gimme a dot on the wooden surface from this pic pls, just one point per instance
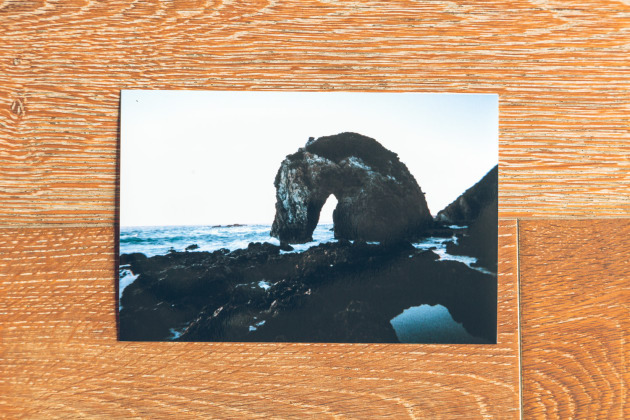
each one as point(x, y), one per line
point(575, 305)
point(561, 70)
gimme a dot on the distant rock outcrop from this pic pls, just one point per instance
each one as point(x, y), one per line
point(477, 208)
point(469, 206)
point(378, 198)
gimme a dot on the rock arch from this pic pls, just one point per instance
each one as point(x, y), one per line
point(377, 197)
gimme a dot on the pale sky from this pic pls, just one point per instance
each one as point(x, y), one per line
point(208, 158)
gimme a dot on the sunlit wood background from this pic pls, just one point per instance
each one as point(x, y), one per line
point(561, 70)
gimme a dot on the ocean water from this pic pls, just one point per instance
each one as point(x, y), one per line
point(158, 240)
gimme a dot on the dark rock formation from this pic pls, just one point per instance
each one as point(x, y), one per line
point(335, 292)
point(478, 209)
point(480, 240)
point(468, 206)
point(378, 198)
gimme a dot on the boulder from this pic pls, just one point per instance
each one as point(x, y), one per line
point(378, 199)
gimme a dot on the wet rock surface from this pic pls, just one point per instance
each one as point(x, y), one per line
point(335, 292)
point(378, 198)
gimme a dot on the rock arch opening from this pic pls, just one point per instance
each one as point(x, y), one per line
point(326, 214)
point(378, 198)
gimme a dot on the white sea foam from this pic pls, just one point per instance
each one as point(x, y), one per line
point(457, 227)
point(438, 246)
point(126, 278)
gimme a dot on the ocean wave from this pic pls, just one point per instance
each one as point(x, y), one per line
point(159, 240)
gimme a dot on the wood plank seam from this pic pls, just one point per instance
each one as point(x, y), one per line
point(518, 320)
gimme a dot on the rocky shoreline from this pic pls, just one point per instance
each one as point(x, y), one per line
point(334, 292)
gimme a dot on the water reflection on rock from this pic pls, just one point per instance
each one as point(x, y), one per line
point(431, 324)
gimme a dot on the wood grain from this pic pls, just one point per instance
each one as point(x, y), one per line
point(575, 285)
point(61, 358)
point(561, 70)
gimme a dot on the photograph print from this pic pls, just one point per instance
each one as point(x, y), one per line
point(340, 217)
